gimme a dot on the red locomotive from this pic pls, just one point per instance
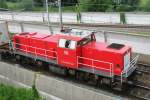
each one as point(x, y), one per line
point(107, 63)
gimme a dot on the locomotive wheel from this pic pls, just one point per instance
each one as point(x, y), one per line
point(86, 77)
point(25, 60)
point(106, 81)
point(117, 86)
point(71, 72)
point(5, 55)
point(58, 70)
point(1, 56)
point(79, 75)
point(39, 63)
point(18, 58)
point(98, 82)
point(22, 60)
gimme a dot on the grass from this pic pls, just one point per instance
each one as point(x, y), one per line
point(13, 6)
point(144, 33)
point(8, 92)
point(17, 6)
point(55, 9)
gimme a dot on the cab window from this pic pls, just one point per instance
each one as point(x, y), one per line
point(63, 43)
point(85, 41)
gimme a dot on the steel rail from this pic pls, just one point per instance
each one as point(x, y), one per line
point(143, 64)
point(147, 71)
point(142, 87)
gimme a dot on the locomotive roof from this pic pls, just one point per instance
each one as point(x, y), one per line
point(74, 34)
point(56, 37)
point(69, 37)
point(77, 33)
point(40, 36)
point(104, 47)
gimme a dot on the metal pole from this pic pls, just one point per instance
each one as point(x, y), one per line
point(105, 36)
point(47, 10)
point(12, 14)
point(60, 14)
point(22, 27)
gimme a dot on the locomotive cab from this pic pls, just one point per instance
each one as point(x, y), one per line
point(69, 48)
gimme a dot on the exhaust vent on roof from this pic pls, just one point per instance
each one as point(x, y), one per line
point(24, 33)
point(115, 46)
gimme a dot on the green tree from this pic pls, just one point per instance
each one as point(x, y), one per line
point(127, 5)
point(39, 2)
point(79, 15)
point(69, 2)
point(27, 4)
point(122, 18)
point(144, 5)
point(96, 5)
point(3, 4)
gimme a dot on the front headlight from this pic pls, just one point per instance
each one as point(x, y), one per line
point(118, 66)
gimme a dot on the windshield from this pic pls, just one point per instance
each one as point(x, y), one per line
point(63, 43)
point(85, 40)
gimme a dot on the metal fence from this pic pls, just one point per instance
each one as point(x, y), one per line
point(90, 18)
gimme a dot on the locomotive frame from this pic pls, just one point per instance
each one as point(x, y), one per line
point(109, 78)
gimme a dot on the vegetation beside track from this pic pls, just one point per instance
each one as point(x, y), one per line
point(84, 5)
point(8, 92)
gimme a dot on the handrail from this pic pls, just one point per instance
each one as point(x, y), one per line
point(33, 47)
point(92, 65)
point(131, 65)
point(35, 50)
point(78, 57)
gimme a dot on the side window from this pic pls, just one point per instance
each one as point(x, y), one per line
point(63, 43)
point(126, 60)
point(85, 41)
point(67, 44)
point(73, 45)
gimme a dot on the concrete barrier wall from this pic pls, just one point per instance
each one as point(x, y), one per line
point(55, 87)
point(89, 17)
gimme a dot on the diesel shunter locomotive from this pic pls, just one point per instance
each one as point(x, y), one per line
point(77, 53)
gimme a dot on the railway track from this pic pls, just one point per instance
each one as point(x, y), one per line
point(136, 29)
point(138, 88)
point(90, 24)
point(140, 92)
point(143, 68)
point(141, 84)
point(111, 25)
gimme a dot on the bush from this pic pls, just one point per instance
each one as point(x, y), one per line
point(14, 6)
point(144, 5)
point(27, 5)
point(3, 4)
point(122, 8)
point(95, 5)
point(11, 93)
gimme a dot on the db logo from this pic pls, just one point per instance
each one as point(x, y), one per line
point(66, 53)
